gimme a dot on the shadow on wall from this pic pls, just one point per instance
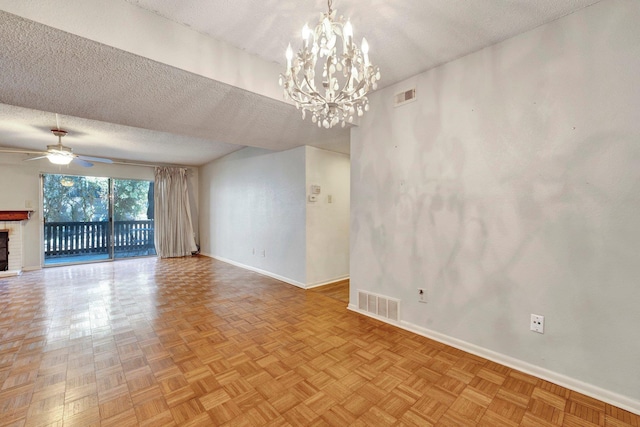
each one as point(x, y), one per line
point(551, 217)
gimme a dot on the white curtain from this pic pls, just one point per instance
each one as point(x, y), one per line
point(173, 226)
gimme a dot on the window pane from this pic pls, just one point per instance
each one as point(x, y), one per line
point(76, 218)
point(133, 218)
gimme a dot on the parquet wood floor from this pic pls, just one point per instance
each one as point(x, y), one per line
point(338, 290)
point(196, 342)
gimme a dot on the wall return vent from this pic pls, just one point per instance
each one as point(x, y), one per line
point(404, 97)
point(382, 306)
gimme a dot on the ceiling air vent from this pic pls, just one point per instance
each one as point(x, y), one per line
point(404, 97)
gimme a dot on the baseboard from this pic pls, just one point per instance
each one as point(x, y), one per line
point(257, 270)
point(590, 390)
point(19, 272)
point(374, 316)
point(336, 280)
point(10, 273)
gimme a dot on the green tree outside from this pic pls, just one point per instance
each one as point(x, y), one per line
point(131, 200)
point(69, 198)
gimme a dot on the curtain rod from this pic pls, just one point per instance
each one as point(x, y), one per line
point(151, 165)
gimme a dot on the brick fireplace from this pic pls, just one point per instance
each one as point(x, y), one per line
point(11, 227)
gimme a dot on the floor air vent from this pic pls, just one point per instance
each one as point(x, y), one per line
point(382, 306)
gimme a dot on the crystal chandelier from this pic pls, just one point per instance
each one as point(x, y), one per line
point(346, 73)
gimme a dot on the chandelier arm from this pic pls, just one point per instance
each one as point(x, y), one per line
point(312, 86)
point(291, 78)
point(299, 90)
point(310, 94)
point(343, 92)
point(357, 88)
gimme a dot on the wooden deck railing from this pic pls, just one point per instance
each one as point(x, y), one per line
point(133, 237)
point(62, 239)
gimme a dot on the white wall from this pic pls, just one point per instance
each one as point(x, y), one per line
point(511, 187)
point(254, 199)
point(327, 223)
point(20, 183)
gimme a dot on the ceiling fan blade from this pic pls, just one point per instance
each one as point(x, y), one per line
point(35, 158)
point(81, 162)
point(18, 151)
point(94, 159)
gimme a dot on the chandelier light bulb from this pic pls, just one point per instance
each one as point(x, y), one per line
point(305, 35)
point(289, 55)
point(330, 76)
point(348, 33)
point(365, 51)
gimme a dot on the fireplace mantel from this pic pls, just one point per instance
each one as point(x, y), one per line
point(15, 215)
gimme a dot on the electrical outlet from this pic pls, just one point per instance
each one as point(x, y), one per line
point(537, 323)
point(253, 251)
point(264, 253)
point(422, 295)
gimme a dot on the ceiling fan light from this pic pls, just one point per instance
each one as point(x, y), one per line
point(66, 182)
point(59, 159)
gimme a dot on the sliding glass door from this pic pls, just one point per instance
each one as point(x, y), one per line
point(76, 218)
point(133, 218)
point(92, 219)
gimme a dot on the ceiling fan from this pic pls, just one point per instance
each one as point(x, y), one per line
point(59, 154)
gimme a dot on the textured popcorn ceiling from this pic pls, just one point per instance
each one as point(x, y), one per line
point(123, 105)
